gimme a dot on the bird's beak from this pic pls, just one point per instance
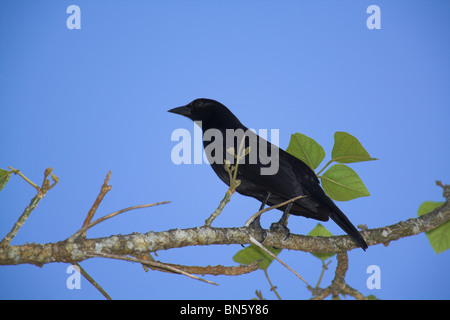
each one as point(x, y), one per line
point(184, 111)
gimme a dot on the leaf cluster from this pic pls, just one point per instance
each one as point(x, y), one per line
point(340, 182)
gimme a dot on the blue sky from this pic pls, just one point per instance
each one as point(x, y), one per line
point(92, 100)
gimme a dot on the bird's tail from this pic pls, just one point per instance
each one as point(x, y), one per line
point(342, 221)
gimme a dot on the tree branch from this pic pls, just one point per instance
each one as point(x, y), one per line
point(338, 285)
point(213, 270)
point(82, 231)
point(41, 192)
point(156, 264)
point(92, 281)
point(140, 243)
point(103, 191)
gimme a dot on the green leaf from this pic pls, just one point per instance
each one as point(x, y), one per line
point(348, 149)
point(440, 237)
point(428, 206)
point(320, 231)
point(306, 149)
point(341, 183)
point(4, 177)
point(253, 253)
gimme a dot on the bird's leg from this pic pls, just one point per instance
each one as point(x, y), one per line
point(256, 223)
point(282, 224)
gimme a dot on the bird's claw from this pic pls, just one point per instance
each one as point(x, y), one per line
point(279, 227)
point(256, 226)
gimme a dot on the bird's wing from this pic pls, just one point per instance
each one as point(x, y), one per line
point(286, 183)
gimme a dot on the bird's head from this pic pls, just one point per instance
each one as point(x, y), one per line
point(211, 112)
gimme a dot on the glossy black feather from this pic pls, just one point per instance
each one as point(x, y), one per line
point(293, 178)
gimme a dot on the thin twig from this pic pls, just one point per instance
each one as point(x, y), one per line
point(149, 263)
point(33, 204)
point(19, 223)
point(108, 216)
point(272, 287)
point(103, 191)
point(219, 209)
point(17, 171)
point(256, 242)
point(92, 281)
point(260, 212)
point(233, 184)
point(324, 267)
point(259, 295)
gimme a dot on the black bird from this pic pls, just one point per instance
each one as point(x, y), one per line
point(293, 177)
